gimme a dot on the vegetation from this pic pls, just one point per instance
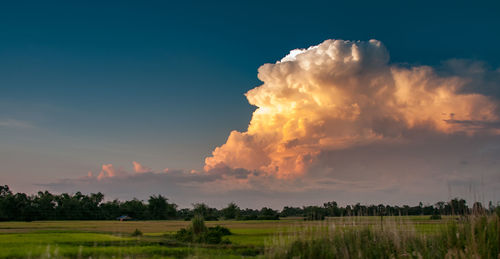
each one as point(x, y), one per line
point(356, 237)
point(473, 237)
point(199, 233)
point(137, 233)
point(78, 206)
point(443, 230)
point(107, 239)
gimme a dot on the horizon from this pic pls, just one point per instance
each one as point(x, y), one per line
point(249, 104)
point(319, 204)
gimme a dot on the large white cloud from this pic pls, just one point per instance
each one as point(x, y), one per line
point(341, 94)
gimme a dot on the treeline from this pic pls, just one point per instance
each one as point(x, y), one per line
point(78, 206)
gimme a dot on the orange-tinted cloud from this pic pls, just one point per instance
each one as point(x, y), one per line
point(341, 94)
point(108, 171)
point(138, 168)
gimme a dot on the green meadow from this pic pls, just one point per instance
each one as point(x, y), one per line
point(105, 239)
point(249, 239)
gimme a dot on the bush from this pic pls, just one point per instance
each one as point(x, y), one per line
point(198, 224)
point(184, 235)
point(225, 241)
point(211, 236)
point(199, 233)
point(137, 233)
point(222, 230)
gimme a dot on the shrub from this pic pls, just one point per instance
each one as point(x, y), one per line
point(199, 233)
point(184, 235)
point(211, 236)
point(225, 241)
point(137, 233)
point(222, 230)
point(198, 224)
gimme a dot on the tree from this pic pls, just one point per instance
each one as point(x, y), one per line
point(44, 206)
point(90, 205)
point(440, 207)
point(110, 209)
point(314, 213)
point(27, 211)
point(206, 212)
point(6, 203)
point(477, 208)
point(291, 211)
point(332, 209)
point(268, 214)
point(159, 208)
point(135, 209)
point(68, 206)
point(231, 211)
point(458, 207)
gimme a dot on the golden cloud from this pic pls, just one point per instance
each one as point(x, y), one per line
point(340, 94)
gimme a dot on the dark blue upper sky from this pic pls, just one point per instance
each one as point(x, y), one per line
point(92, 82)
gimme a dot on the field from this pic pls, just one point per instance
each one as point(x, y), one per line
point(106, 239)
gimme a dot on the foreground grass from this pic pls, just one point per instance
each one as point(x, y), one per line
point(278, 239)
point(471, 237)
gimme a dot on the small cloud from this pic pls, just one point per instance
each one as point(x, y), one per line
point(17, 124)
point(139, 168)
point(108, 171)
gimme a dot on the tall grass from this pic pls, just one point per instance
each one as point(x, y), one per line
point(470, 237)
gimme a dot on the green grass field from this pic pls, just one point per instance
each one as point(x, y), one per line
point(112, 239)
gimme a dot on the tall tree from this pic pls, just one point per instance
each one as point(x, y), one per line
point(231, 211)
point(159, 208)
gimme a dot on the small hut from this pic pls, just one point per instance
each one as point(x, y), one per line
point(124, 218)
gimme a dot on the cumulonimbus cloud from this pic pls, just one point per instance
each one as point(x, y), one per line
point(341, 94)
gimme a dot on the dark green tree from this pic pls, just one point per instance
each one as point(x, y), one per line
point(135, 209)
point(159, 208)
point(205, 211)
point(332, 209)
point(231, 211)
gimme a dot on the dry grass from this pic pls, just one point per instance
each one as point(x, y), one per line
point(470, 237)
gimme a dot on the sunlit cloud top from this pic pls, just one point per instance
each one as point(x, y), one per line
point(340, 94)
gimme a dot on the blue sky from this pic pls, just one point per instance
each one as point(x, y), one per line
point(93, 82)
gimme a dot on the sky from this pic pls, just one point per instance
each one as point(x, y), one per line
point(226, 101)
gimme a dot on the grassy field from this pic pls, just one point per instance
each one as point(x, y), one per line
point(107, 239)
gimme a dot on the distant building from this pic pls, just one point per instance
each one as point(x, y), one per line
point(124, 218)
